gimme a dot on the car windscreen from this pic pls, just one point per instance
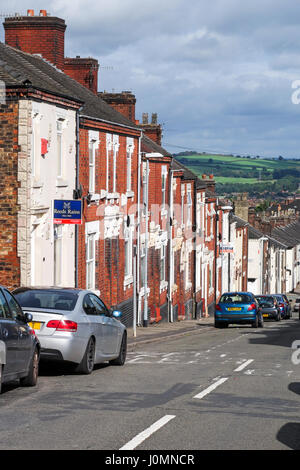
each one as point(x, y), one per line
point(236, 299)
point(46, 299)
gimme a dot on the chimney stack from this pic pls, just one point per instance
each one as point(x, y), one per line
point(84, 71)
point(37, 34)
point(123, 102)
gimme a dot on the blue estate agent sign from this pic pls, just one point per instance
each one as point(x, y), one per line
point(66, 212)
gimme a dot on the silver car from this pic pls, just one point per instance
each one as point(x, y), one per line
point(74, 325)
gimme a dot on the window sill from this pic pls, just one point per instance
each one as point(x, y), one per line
point(129, 193)
point(113, 196)
point(163, 286)
point(128, 280)
point(37, 184)
point(61, 183)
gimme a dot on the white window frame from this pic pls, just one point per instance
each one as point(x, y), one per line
point(128, 255)
point(92, 166)
point(129, 153)
point(90, 261)
point(164, 173)
point(162, 266)
point(115, 156)
point(189, 205)
point(59, 147)
point(57, 258)
point(182, 204)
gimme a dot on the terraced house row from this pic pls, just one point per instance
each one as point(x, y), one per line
point(154, 240)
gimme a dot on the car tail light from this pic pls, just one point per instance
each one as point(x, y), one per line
point(62, 325)
point(218, 308)
point(252, 307)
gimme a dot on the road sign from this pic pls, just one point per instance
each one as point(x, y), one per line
point(67, 212)
point(226, 248)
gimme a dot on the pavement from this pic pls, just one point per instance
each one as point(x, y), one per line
point(161, 330)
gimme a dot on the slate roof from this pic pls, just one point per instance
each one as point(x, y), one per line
point(149, 146)
point(288, 235)
point(17, 68)
point(239, 222)
point(254, 233)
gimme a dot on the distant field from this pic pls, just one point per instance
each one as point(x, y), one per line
point(241, 162)
point(231, 179)
point(230, 170)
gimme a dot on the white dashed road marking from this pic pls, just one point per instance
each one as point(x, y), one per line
point(137, 440)
point(211, 388)
point(243, 366)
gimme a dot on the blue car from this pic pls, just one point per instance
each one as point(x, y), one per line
point(238, 308)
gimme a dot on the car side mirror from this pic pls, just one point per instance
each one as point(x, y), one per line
point(27, 317)
point(117, 314)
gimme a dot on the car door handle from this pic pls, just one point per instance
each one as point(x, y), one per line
point(4, 332)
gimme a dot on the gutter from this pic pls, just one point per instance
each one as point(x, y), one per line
point(137, 129)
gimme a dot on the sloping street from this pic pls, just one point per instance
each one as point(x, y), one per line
point(220, 389)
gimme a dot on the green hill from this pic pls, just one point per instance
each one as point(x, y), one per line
point(254, 175)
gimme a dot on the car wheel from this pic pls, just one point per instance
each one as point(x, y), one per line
point(255, 323)
point(120, 360)
point(32, 377)
point(261, 322)
point(88, 361)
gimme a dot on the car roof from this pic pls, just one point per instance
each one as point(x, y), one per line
point(53, 289)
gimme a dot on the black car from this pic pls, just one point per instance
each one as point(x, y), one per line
point(19, 346)
point(269, 306)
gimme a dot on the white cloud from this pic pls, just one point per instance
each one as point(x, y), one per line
point(218, 73)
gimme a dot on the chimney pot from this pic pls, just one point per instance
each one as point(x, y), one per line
point(30, 12)
point(145, 118)
point(203, 176)
point(43, 12)
point(154, 118)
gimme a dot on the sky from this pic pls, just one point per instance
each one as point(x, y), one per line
point(219, 73)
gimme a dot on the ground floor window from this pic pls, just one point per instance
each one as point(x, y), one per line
point(90, 261)
point(57, 255)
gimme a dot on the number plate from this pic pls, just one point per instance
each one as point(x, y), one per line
point(35, 325)
point(234, 309)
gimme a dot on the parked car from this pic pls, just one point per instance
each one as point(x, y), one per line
point(19, 346)
point(74, 325)
point(297, 305)
point(285, 308)
point(238, 308)
point(269, 306)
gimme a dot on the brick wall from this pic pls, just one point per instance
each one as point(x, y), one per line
point(9, 261)
point(110, 254)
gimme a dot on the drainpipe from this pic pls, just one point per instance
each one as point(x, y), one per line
point(216, 250)
point(145, 319)
point(195, 248)
point(171, 266)
point(76, 189)
point(138, 230)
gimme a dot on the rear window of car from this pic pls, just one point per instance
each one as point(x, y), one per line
point(236, 299)
point(50, 300)
point(266, 300)
point(297, 301)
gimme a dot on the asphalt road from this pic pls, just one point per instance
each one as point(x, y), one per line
point(237, 388)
